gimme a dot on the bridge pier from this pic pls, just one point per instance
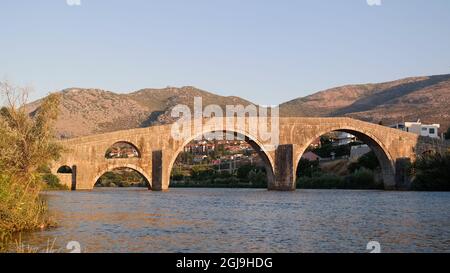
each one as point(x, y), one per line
point(157, 171)
point(284, 169)
point(402, 174)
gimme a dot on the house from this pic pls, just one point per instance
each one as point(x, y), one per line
point(358, 151)
point(310, 156)
point(343, 138)
point(199, 159)
point(316, 143)
point(426, 130)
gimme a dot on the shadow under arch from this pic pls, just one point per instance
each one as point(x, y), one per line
point(382, 153)
point(123, 142)
point(64, 169)
point(124, 166)
point(252, 141)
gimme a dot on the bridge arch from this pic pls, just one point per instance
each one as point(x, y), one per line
point(125, 166)
point(134, 149)
point(65, 169)
point(251, 140)
point(382, 153)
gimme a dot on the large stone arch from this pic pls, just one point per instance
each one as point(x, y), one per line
point(381, 151)
point(259, 147)
point(112, 167)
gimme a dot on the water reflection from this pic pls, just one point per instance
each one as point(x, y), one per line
point(247, 220)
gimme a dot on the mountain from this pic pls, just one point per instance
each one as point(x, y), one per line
point(91, 111)
point(410, 99)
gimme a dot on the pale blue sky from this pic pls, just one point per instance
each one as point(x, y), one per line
point(265, 51)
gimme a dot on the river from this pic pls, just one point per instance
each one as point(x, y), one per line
point(247, 220)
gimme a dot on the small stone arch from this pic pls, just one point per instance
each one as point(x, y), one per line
point(252, 141)
point(382, 153)
point(119, 166)
point(64, 169)
point(136, 150)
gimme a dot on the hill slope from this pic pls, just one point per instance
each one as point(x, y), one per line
point(91, 111)
point(410, 99)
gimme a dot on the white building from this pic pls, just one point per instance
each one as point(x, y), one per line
point(358, 151)
point(343, 138)
point(426, 130)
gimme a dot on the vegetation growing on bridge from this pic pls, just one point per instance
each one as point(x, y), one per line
point(26, 144)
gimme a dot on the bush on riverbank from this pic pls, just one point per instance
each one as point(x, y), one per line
point(360, 179)
point(52, 183)
point(20, 207)
point(432, 173)
point(26, 143)
point(368, 161)
point(246, 176)
point(121, 178)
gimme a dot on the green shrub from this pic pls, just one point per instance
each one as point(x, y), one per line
point(447, 134)
point(432, 173)
point(368, 161)
point(52, 182)
point(361, 179)
point(20, 208)
point(257, 178)
point(308, 168)
point(326, 181)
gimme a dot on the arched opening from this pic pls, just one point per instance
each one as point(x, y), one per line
point(122, 177)
point(65, 169)
point(344, 159)
point(225, 160)
point(122, 149)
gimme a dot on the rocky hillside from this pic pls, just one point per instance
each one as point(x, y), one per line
point(91, 111)
point(410, 99)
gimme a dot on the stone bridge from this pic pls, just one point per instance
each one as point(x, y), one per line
point(158, 151)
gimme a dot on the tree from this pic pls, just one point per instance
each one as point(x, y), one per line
point(244, 170)
point(432, 173)
point(27, 140)
point(447, 134)
point(308, 168)
point(27, 145)
point(368, 161)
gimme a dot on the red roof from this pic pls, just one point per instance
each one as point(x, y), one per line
point(310, 156)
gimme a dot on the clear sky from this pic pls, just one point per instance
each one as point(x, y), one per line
point(265, 51)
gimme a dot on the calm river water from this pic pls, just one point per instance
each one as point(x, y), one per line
point(247, 220)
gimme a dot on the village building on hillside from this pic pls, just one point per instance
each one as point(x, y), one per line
point(359, 150)
point(311, 156)
point(426, 130)
point(343, 138)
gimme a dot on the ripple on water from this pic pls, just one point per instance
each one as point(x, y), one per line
point(247, 220)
